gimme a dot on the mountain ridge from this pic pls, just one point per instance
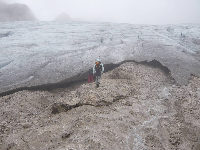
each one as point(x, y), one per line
point(15, 12)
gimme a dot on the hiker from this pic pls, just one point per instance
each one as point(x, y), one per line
point(90, 77)
point(98, 70)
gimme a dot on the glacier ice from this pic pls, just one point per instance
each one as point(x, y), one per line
point(37, 53)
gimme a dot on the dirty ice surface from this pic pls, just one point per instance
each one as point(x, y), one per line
point(37, 53)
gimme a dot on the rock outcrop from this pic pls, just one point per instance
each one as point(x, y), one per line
point(15, 12)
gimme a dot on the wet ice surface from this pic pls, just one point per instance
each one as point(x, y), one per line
point(36, 53)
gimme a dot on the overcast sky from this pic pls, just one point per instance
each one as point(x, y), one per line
point(119, 11)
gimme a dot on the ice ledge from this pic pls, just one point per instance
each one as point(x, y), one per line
point(81, 78)
point(46, 53)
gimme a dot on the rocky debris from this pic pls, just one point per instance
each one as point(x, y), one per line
point(67, 134)
point(135, 107)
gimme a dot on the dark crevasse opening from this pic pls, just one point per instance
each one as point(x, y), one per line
point(82, 78)
point(5, 34)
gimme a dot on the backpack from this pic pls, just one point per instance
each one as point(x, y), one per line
point(98, 67)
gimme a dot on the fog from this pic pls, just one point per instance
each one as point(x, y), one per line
point(118, 11)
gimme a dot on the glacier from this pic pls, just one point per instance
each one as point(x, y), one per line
point(40, 53)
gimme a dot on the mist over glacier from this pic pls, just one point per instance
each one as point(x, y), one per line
point(117, 11)
point(37, 53)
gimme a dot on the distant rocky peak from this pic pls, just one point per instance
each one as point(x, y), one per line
point(15, 12)
point(63, 17)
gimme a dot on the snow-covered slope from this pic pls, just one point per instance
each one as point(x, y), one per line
point(36, 53)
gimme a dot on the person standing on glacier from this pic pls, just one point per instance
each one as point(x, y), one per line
point(98, 70)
